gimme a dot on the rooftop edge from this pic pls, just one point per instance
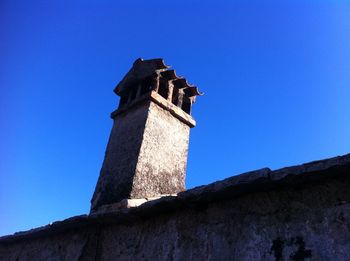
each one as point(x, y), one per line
point(254, 181)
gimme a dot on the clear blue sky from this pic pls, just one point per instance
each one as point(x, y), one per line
point(276, 78)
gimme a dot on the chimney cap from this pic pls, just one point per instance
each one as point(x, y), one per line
point(140, 70)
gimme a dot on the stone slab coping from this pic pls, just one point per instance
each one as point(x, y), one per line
point(127, 203)
point(264, 179)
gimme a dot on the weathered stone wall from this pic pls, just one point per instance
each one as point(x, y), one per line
point(299, 213)
point(281, 225)
point(145, 157)
point(162, 160)
point(115, 180)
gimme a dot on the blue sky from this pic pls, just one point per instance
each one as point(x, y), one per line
point(275, 76)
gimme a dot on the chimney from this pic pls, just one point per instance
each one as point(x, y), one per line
point(146, 154)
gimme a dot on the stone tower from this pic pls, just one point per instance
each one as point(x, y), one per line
point(146, 154)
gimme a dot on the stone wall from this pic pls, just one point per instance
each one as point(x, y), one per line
point(121, 157)
point(296, 213)
point(162, 159)
point(146, 154)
